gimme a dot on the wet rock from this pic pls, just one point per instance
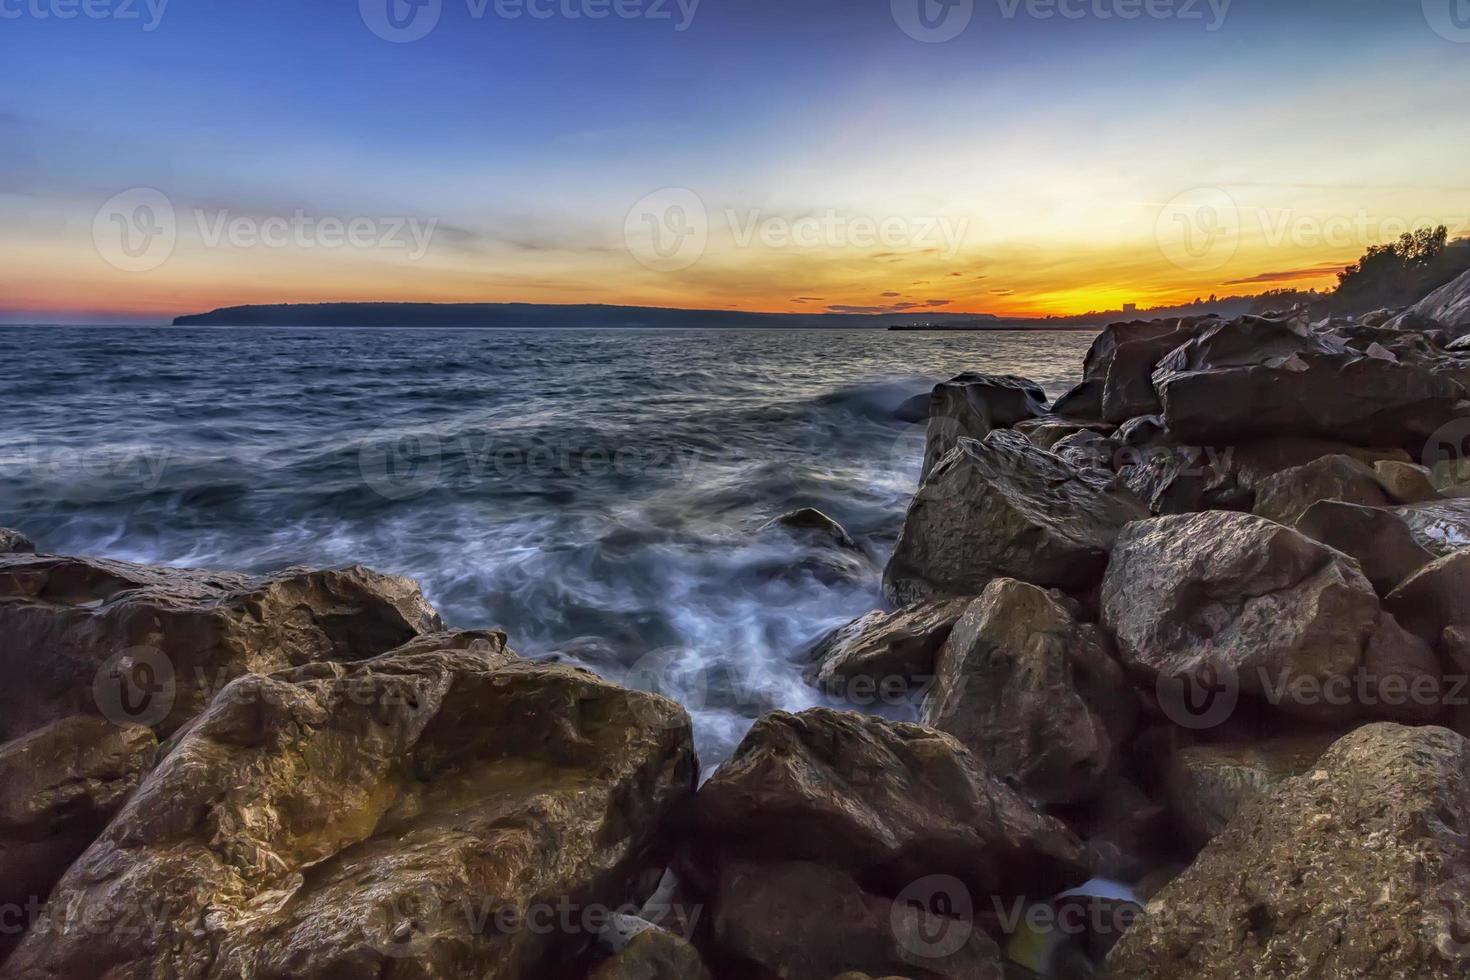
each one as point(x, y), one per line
point(883, 646)
point(1045, 433)
point(1141, 431)
point(1434, 597)
point(1082, 401)
point(1442, 527)
point(426, 811)
point(13, 542)
point(152, 645)
point(812, 524)
point(1254, 462)
point(1164, 334)
point(971, 406)
point(1003, 508)
point(1378, 539)
point(1280, 616)
point(1208, 784)
point(59, 786)
point(1173, 479)
point(1283, 498)
point(1129, 391)
point(1085, 450)
point(1449, 306)
point(913, 410)
point(1358, 868)
point(653, 954)
point(1034, 693)
point(1406, 483)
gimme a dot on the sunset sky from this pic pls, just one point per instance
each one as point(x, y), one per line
point(810, 155)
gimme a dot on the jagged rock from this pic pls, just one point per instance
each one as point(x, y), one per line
point(1285, 497)
point(1436, 596)
point(1126, 831)
point(1003, 508)
point(1085, 450)
point(913, 410)
point(971, 406)
point(888, 802)
point(1358, 868)
point(1252, 463)
point(1082, 401)
point(1181, 479)
point(1208, 784)
point(424, 813)
point(59, 786)
point(153, 645)
point(1129, 391)
point(1449, 306)
point(1406, 483)
point(13, 542)
point(653, 954)
point(1442, 527)
point(1045, 433)
point(1378, 539)
point(1034, 693)
point(811, 523)
point(1283, 617)
point(1141, 431)
point(1163, 334)
point(881, 647)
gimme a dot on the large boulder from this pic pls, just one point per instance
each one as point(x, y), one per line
point(153, 645)
point(1003, 508)
point(1378, 539)
point(971, 406)
point(431, 813)
point(13, 542)
point(1406, 483)
point(1082, 401)
point(1359, 868)
point(1034, 693)
point(882, 647)
point(1442, 526)
point(1281, 617)
point(59, 786)
point(1449, 306)
point(1128, 391)
point(1436, 596)
point(653, 954)
point(1286, 496)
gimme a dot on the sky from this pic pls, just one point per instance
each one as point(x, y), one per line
point(1017, 157)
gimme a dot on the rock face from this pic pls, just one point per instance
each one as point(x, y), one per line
point(881, 647)
point(1034, 693)
point(1003, 508)
point(1449, 305)
point(59, 786)
point(1284, 497)
point(653, 954)
point(13, 542)
point(1436, 596)
point(419, 814)
point(1283, 617)
point(1442, 527)
point(973, 405)
point(152, 645)
point(1357, 869)
point(1379, 540)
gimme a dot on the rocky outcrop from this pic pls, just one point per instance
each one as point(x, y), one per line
point(884, 647)
point(13, 542)
point(1082, 401)
point(59, 786)
point(1377, 539)
point(1436, 596)
point(435, 810)
point(653, 954)
point(1284, 497)
point(1406, 483)
point(1279, 616)
point(1003, 508)
point(1359, 868)
point(972, 406)
point(1449, 306)
point(153, 645)
point(1442, 527)
point(1034, 693)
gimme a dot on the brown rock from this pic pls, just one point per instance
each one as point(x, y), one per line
point(1358, 868)
point(1434, 597)
point(1034, 693)
point(812, 523)
point(883, 647)
point(1443, 527)
point(1378, 539)
point(1449, 306)
point(424, 813)
point(972, 406)
point(653, 954)
point(152, 645)
point(1283, 498)
point(1406, 483)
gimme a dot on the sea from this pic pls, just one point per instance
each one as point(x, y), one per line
point(601, 495)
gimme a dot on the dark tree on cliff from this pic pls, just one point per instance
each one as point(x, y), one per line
point(1399, 273)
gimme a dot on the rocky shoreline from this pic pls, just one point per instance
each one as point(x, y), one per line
point(1191, 646)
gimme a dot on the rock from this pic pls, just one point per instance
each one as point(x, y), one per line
point(1378, 539)
point(808, 921)
point(1034, 693)
point(1283, 498)
point(1129, 391)
point(1181, 479)
point(1085, 450)
point(1406, 483)
point(971, 406)
point(1449, 306)
point(153, 645)
point(1277, 615)
point(1082, 401)
point(913, 410)
point(1443, 527)
point(1357, 869)
point(428, 813)
point(1252, 378)
point(1208, 784)
point(59, 786)
point(13, 542)
point(1127, 832)
point(888, 802)
point(653, 954)
point(808, 522)
point(1141, 431)
point(881, 647)
point(1045, 433)
point(1003, 508)
point(1434, 597)
point(1164, 334)
point(1252, 463)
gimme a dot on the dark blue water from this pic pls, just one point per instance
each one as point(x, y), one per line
point(597, 494)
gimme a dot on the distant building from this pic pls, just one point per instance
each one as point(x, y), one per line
point(1130, 307)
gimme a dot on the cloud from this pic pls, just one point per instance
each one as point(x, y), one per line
point(1004, 292)
point(1291, 275)
point(891, 295)
point(938, 302)
point(954, 274)
point(808, 299)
